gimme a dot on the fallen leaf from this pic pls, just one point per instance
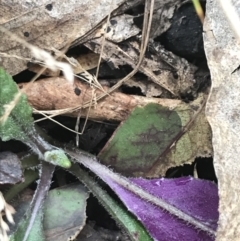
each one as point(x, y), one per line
point(5, 210)
point(147, 88)
point(161, 66)
point(223, 56)
point(47, 26)
point(10, 168)
point(84, 62)
point(121, 28)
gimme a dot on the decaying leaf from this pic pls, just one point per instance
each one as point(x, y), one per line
point(154, 138)
point(223, 54)
point(10, 168)
point(92, 232)
point(47, 24)
point(121, 28)
point(164, 11)
point(164, 68)
point(149, 89)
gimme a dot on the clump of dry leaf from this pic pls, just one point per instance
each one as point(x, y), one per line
point(8, 211)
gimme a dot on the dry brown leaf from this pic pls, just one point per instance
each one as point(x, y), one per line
point(164, 68)
point(164, 11)
point(223, 55)
point(47, 24)
point(10, 168)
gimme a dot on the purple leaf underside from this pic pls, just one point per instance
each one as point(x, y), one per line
point(195, 197)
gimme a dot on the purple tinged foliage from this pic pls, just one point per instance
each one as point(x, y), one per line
point(185, 198)
point(195, 197)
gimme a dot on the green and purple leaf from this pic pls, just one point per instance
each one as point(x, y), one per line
point(154, 138)
point(195, 197)
point(139, 141)
point(170, 209)
point(119, 213)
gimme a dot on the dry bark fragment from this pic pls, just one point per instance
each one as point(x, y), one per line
point(57, 93)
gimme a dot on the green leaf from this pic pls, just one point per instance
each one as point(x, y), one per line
point(26, 230)
point(64, 212)
point(19, 124)
point(64, 215)
point(29, 177)
point(140, 140)
point(20, 120)
point(155, 138)
point(36, 233)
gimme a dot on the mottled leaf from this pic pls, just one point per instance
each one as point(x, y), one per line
point(140, 140)
point(155, 138)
